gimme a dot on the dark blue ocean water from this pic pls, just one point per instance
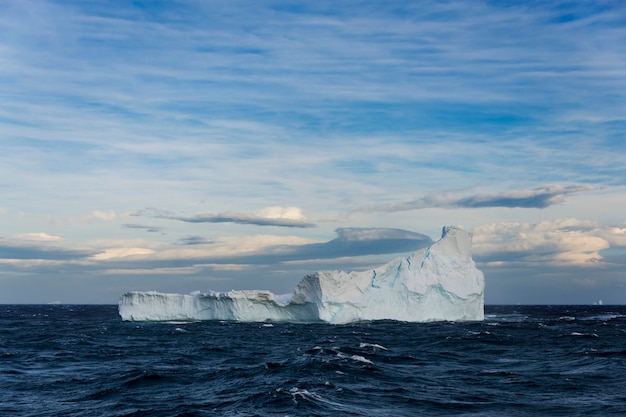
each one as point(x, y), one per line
point(521, 361)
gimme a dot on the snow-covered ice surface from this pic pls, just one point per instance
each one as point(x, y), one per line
point(437, 283)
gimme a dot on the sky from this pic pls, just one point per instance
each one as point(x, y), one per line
point(214, 145)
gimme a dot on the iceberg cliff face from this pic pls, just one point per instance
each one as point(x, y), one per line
point(440, 282)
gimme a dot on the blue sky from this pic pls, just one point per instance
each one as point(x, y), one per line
point(195, 145)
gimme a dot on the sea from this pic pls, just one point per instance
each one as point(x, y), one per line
point(82, 360)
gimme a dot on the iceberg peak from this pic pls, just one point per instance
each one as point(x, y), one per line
point(440, 282)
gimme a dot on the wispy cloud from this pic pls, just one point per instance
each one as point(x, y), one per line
point(11, 250)
point(271, 216)
point(153, 229)
point(194, 240)
point(540, 197)
point(41, 237)
point(263, 252)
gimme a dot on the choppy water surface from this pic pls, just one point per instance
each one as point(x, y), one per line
point(521, 361)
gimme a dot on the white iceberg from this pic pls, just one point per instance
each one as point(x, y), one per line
point(437, 283)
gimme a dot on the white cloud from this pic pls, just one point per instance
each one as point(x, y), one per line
point(557, 242)
point(615, 235)
point(270, 216)
point(277, 212)
point(40, 237)
point(115, 253)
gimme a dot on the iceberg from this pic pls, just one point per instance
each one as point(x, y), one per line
point(437, 283)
